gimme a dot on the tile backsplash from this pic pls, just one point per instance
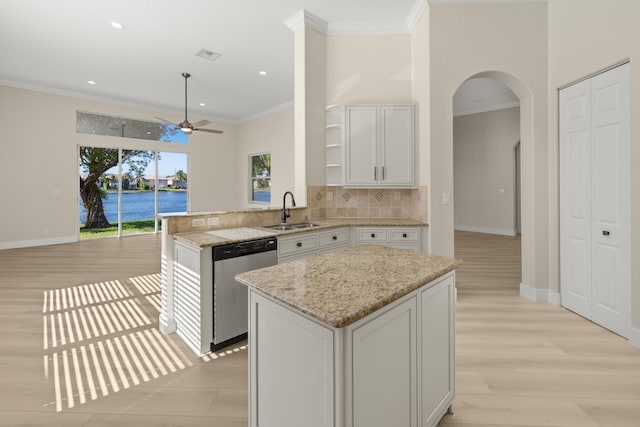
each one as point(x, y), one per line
point(340, 202)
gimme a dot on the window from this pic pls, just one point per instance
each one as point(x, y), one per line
point(99, 124)
point(260, 167)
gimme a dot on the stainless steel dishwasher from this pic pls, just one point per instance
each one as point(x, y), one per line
point(230, 297)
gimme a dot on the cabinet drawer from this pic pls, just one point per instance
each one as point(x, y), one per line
point(333, 237)
point(404, 235)
point(372, 235)
point(409, 247)
point(295, 245)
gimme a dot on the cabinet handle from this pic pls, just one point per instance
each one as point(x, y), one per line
point(404, 234)
point(299, 244)
point(375, 173)
point(334, 237)
point(383, 173)
point(373, 235)
point(605, 233)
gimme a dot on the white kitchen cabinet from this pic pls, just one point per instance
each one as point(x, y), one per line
point(289, 353)
point(379, 145)
point(384, 369)
point(396, 237)
point(303, 245)
point(394, 367)
point(193, 299)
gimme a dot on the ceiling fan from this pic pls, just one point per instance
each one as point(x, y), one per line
point(186, 126)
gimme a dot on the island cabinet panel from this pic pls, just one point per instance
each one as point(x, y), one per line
point(437, 346)
point(291, 368)
point(193, 299)
point(384, 369)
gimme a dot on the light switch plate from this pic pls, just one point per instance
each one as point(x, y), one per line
point(446, 198)
point(198, 222)
point(213, 221)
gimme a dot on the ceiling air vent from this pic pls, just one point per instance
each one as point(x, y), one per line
point(207, 54)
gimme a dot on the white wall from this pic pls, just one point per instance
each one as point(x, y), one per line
point(586, 36)
point(373, 69)
point(272, 133)
point(39, 164)
point(507, 42)
point(484, 163)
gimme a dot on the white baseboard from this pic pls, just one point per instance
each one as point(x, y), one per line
point(533, 294)
point(39, 242)
point(485, 230)
point(634, 336)
point(554, 298)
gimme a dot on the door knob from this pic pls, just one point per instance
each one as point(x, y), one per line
point(605, 233)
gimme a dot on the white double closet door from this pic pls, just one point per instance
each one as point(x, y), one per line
point(595, 196)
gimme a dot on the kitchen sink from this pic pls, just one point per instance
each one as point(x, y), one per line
point(304, 225)
point(280, 227)
point(287, 227)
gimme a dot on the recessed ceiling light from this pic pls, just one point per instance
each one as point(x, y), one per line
point(91, 82)
point(117, 25)
point(262, 73)
point(202, 104)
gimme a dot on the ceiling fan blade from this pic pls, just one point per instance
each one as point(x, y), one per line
point(201, 123)
point(209, 130)
point(166, 121)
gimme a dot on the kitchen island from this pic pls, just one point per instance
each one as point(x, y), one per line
point(358, 337)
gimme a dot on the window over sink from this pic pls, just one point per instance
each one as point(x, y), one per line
point(260, 171)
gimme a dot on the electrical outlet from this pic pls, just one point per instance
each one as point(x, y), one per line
point(446, 198)
point(213, 221)
point(396, 195)
point(198, 222)
point(329, 196)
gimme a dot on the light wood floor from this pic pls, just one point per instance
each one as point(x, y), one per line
point(80, 346)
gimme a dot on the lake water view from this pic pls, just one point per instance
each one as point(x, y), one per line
point(140, 205)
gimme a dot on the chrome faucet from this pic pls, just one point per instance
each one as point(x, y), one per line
point(285, 214)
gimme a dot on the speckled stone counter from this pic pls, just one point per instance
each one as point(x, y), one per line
point(219, 237)
point(342, 287)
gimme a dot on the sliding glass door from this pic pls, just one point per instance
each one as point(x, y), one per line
point(121, 191)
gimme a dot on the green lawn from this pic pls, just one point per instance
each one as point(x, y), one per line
point(131, 227)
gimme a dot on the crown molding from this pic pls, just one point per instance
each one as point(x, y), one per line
point(359, 28)
point(416, 13)
point(305, 18)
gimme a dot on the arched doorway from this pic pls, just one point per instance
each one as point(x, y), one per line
point(527, 179)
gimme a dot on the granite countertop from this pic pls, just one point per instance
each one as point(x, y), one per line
point(339, 288)
point(241, 234)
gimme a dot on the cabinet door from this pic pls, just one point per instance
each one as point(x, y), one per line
point(291, 371)
point(361, 145)
point(437, 358)
point(384, 369)
point(396, 145)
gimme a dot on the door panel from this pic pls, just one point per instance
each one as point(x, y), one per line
point(611, 274)
point(575, 199)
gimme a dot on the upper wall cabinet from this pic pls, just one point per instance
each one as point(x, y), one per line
point(378, 145)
